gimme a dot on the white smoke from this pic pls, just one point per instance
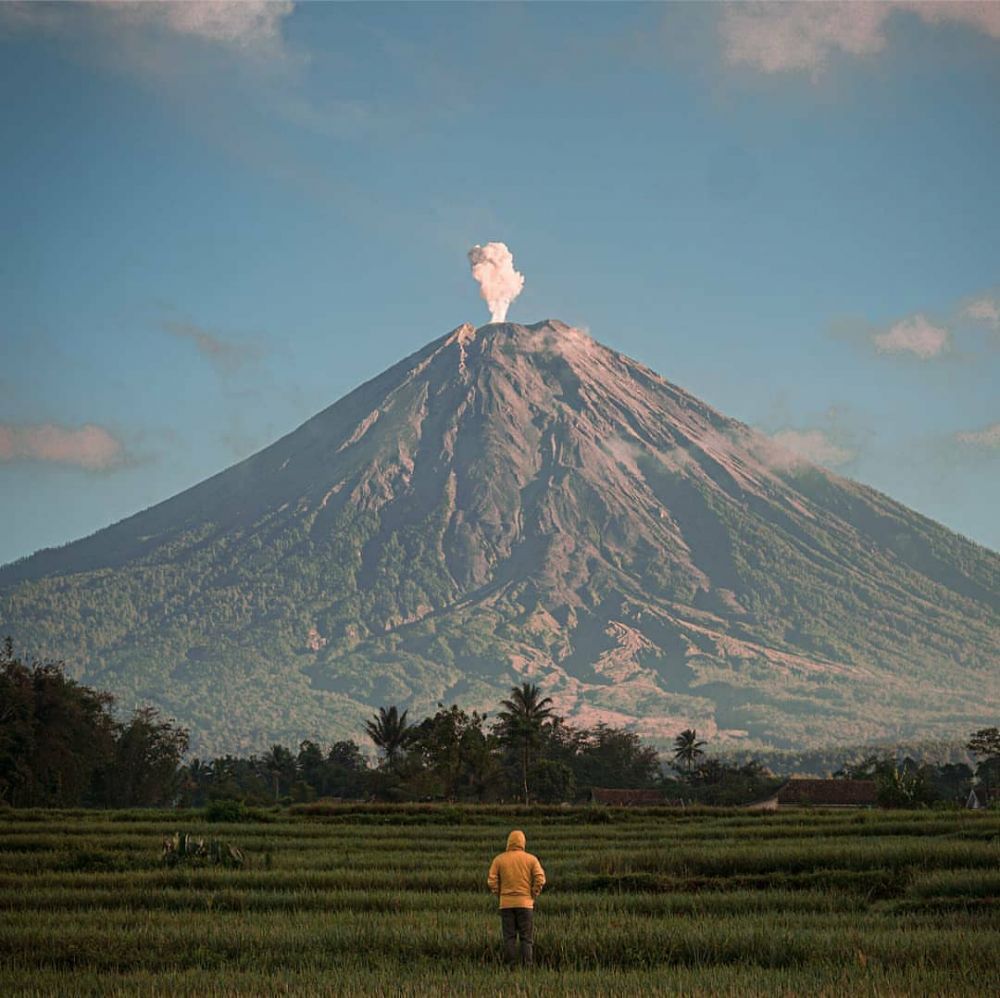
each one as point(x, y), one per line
point(499, 283)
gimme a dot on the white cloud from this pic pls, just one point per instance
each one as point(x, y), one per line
point(784, 37)
point(89, 446)
point(816, 446)
point(985, 310)
point(247, 25)
point(802, 37)
point(916, 335)
point(983, 16)
point(987, 437)
point(238, 23)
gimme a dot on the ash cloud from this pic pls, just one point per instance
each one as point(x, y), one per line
point(499, 283)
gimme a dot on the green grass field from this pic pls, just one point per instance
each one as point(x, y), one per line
point(392, 900)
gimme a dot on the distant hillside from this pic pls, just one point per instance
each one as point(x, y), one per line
point(520, 501)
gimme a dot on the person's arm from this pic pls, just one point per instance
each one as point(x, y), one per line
point(493, 879)
point(537, 879)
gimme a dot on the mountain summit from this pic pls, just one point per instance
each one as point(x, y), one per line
point(520, 502)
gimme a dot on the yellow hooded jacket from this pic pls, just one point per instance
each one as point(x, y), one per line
point(516, 876)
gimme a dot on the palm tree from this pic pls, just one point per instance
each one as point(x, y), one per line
point(521, 723)
point(390, 732)
point(200, 775)
point(687, 748)
point(279, 763)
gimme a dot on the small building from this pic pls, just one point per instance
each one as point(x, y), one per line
point(819, 793)
point(979, 798)
point(627, 798)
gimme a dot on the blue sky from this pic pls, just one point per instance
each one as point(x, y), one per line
point(219, 218)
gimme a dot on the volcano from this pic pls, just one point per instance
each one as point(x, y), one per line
point(522, 503)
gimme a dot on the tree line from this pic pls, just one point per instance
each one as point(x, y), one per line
point(526, 753)
point(909, 783)
point(62, 746)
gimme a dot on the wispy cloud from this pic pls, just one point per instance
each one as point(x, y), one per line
point(803, 37)
point(789, 37)
point(247, 25)
point(985, 310)
point(225, 355)
point(90, 447)
point(915, 335)
point(791, 447)
point(988, 437)
point(924, 336)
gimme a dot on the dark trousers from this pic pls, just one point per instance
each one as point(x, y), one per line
point(517, 922)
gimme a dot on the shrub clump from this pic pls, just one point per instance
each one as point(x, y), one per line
point(183, 849)
point(227, 810)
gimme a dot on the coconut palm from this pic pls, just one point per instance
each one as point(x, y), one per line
point(687, 748)
point(279, 763)
point(390, 732)
point(521, 723)
point(199, 778)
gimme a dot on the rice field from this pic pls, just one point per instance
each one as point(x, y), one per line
point(352, 899)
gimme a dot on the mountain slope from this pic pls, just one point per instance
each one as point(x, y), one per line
point(520, 501)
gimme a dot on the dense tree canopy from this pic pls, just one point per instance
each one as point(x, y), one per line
point(61, 746)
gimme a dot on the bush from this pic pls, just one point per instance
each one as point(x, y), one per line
point(226, 810)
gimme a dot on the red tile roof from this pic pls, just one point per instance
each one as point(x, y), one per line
point(828, 793)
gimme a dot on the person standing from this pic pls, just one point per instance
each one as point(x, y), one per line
point(517, 878)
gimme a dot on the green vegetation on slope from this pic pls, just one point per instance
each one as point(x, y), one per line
point(525, 503)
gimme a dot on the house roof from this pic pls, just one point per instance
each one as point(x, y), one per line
point(828, 793)
point(603, 795)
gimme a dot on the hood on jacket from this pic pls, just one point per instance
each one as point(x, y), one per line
point(515, 840)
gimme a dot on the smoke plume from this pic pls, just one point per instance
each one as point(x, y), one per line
point(499, 283)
